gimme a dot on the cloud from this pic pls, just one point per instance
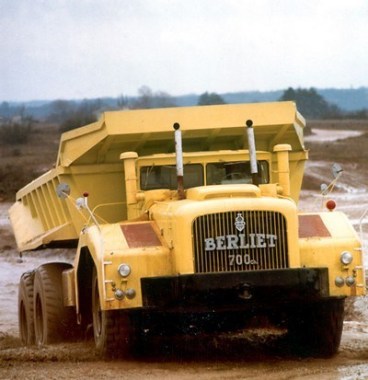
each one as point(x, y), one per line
point(89, 48)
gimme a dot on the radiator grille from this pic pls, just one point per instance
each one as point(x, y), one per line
point(240, 241)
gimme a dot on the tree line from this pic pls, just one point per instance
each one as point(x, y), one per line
point(16, 124)
point(309, 102)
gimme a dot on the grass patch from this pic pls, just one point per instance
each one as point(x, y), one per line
point(22, 163)
point(8, 341)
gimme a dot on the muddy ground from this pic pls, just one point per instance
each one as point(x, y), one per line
point(259, 354)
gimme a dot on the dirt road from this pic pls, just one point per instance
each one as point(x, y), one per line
point(255, 355)
point(200, 358)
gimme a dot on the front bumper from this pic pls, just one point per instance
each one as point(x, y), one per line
point(241, 290)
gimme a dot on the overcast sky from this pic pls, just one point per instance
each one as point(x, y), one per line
point(64, 49)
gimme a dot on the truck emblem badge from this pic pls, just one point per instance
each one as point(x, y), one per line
point(239, 222)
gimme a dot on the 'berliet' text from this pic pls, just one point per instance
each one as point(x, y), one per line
point(240, 241)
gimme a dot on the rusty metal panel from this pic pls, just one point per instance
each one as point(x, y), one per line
point(140, 235)
point(312, 226)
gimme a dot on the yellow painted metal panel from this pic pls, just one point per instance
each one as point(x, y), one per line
point(175, 220)
point(323, 245)
point(203, 128)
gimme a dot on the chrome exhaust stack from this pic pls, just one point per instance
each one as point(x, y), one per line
point(179, 160)
point(252, 152)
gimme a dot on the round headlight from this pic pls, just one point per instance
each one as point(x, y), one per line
point(119, 294)
point(339, 281)
point(124, 270)
point(346, 258)
point(130, 293)
point(350, 281)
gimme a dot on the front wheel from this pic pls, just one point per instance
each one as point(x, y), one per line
point(316, 329)
point(115, 331)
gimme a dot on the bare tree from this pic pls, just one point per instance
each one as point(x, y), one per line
point(148, 99)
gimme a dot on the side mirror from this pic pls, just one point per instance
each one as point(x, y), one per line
point(63, 190)
point(81, 203)
point(336, 170)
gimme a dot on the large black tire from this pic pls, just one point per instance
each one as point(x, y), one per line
point(52, 320)
point(115, 331)
point(316, 329)
point(25, 309)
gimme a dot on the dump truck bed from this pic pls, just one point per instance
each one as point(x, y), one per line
point(89, 160)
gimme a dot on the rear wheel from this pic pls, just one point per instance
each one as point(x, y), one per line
point(115, 331)
point(53, 321)
point(25, 309)
point(316, 329)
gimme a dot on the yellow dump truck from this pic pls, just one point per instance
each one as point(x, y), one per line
point(184, 219)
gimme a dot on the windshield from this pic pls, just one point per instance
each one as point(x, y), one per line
point(217, 173)
point(164, 177)
point(220, 173)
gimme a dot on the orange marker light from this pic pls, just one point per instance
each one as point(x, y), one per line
point(331, 205)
